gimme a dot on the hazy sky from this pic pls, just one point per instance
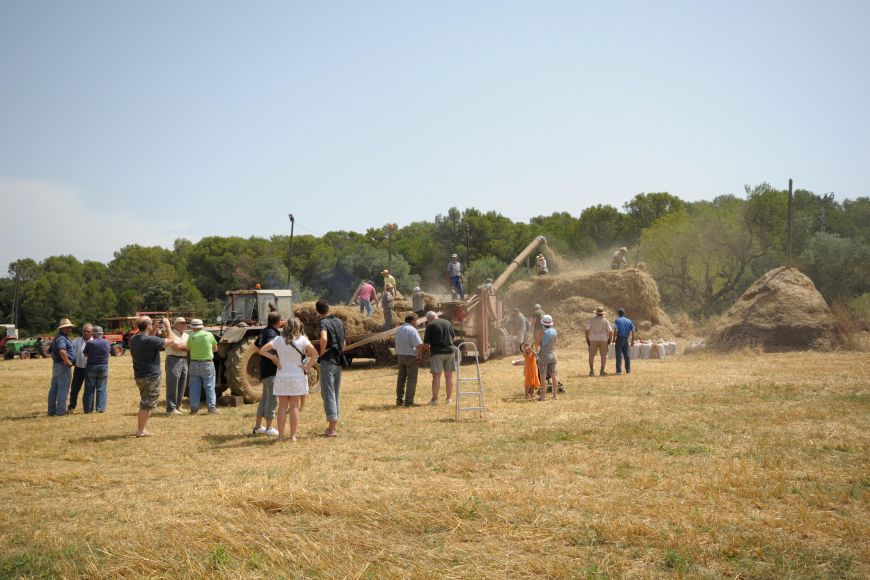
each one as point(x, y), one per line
point(218, 118)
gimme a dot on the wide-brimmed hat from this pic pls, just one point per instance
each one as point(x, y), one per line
point(547, 320)
point(454, 256)
point(196, 323)
point(65, 323)
point(416, 288)
point(179, 319)
point(98, 331)
point(623, 249)
point(599, 311)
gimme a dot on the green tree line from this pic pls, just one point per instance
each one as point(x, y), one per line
point(703, 255)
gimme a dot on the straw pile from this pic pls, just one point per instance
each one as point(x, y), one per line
point(781, 311)
point(354, 322)
point(572, 297)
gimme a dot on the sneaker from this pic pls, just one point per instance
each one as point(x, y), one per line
point(271, 431)
point(194, 411)
point(449, 401)
point(591, 373)
point(433, 402)
point(174, 412)
point(258, 430)
point(212, 411)
point(603, 373)
point(618, 372)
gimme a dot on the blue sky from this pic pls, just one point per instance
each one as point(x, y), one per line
point(143, 122)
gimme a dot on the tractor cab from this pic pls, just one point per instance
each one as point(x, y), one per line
point(251, 307)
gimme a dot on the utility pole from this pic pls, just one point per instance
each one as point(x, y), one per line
point(290, 257)
point(15, 294)
point(790, 210)
point(467, 254)
point(390, 228)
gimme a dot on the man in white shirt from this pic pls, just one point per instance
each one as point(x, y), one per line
point(81, 361)
point(176, 367)
point(599, 333)
point(409, 348)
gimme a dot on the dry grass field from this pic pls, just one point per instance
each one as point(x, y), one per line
point(744, 466)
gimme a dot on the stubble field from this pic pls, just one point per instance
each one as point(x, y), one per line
point(741, 466)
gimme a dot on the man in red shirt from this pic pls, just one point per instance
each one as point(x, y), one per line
point(367, 296)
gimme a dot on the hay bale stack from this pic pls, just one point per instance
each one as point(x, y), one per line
point(781, 311)
point(573, 296)
point(354, 322)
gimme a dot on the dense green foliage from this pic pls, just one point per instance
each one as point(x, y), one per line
point(702, 254)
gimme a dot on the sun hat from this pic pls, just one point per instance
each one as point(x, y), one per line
point(179, 319)
point(416, 288)
point(454, 256)
point(65, 323)
point(385, 272)
point(547, 320)
point(196, 323)
point(98, 331)
point(599, 310)
point(623, 249)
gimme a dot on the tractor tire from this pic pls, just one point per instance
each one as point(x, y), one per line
point(243, 371)
point(25, 355)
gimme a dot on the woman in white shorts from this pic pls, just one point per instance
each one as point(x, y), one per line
point(294, 355)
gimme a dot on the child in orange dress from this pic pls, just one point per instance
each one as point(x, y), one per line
point(530, 370)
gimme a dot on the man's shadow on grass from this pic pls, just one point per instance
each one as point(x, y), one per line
point(24, 417)
point(384, 407)
point(103, 438)
point(237, 440)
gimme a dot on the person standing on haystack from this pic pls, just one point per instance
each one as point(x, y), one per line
point(599, 333)
point(541, 263)
point(330, 359)
point(454, 275)
point(389, 282)
point(619, 259)
point(367, 295)
point(626, 334)
point(387, 305)
point(547, 357)
point(418, 302)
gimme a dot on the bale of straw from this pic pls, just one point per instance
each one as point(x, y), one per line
point(354, 322)
point(631, 289)
point(781, 311)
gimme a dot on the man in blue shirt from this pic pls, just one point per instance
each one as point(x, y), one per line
point(454, 274)
point(63, 358)
point(626, 334)
point(409, 348)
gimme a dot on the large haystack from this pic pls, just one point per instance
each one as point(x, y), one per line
point(572, 297)
point(354, 322)
point(781, 311)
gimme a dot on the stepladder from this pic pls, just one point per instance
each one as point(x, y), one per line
point(469, 389)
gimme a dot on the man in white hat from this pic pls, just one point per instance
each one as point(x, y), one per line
point(599, 333)
point(176, 367)
point(547, 358)
point(63, 359)
point(454, 274)
point(202, 345)
point(541, 263)
point(619, 259)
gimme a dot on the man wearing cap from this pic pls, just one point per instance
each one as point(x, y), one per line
point(202, 345)
point(81, 362)
point(439, 337)
point(547, 357)
point(599, 333)
point(625, 331)
point(62, 357)
point(619, 260)
point(454, 274)
point(367, 295)
point(97, 351)
point(176, 367)
point(145, 350)
point(541, 263)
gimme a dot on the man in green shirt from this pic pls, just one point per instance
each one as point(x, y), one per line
point(202, 345)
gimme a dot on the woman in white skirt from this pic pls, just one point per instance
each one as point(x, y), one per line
point(294, 355)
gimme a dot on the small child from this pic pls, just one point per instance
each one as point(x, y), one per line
point(530, 370)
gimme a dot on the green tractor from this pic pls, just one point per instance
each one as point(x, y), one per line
point(243, 317)
point(24, 348)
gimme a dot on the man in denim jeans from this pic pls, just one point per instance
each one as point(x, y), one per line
point(62, 356)
point(331, 346)
point(202, 345)
point(97, 352)
point(626, 334)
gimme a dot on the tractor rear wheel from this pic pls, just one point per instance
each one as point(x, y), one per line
point(25, 355)
point(243, 370)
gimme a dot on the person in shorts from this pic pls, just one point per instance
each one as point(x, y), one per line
point(599, 333)
point(145, 349)
point(439, 337)
point(293, 355)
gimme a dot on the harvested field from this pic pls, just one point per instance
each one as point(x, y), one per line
point(738, 465)
point(571, 299)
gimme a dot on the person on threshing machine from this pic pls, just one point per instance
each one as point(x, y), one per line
point(454, 274)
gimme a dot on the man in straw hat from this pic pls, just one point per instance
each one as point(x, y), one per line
point(547, 358)
point(619, 259)
point(177, 366)
point(541, 263)
point(599, 333)
point(454, 274)
point(63, 358)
